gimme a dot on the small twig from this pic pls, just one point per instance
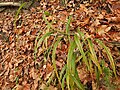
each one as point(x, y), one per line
point(2, 4)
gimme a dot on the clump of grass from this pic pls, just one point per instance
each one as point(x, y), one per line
point(81, 49)
point(71, 72)
point(109, 56)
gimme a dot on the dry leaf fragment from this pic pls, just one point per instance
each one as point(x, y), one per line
point(52, 88)
point(12, 78)
point(49, 68)
point(19, 87)
point(115, 19)
point(42, 87)
point(85, 21)
point(26, 87)
point(103, 29)
point(116, 7)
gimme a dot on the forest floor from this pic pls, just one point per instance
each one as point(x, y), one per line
point(20, 69)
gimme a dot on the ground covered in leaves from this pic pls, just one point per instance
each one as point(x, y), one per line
point(20, 69)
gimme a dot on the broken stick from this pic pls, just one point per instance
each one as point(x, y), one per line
point(3, 4)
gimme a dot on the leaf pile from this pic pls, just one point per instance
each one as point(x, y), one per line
point(31, 57)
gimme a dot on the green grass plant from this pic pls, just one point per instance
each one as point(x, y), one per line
point(81, 49)
point(109, 56)
point(68, 27)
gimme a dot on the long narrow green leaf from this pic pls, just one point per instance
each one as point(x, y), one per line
point(49, 25)
point(42, 38)
point(72, 70)
point(68, 27)
point(69, 57)
point(109, 56)
point(79, 45)
point(82, 36)
point(79, 84)
point(63, 82)
point(97, 73)
point(53, 57)
point(36, 39)
point(62, 71)
point(35, 48)
point(90, 62)
point(40, 41)
point(18, 11)
point(73, 66)
point(93, 55)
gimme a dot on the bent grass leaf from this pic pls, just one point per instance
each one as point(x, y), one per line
point(63, 81)
point(49, 25)
point(68, 27)
point(40, 41)
point(90, 62)
point(97, 73)
point(79, 84)
point(69, 57)
point(79, 45)
point(42, 38)
point(62, 72)
point(18, 11)
point(82, 36)
point(109, 56)
point(53, 57)
point(93, 55)
point(35, 48)
point(79, 58)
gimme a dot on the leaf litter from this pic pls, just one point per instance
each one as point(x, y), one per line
point(19, 70)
